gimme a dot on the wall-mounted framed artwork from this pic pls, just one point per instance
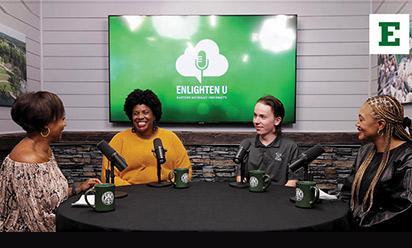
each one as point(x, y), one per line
point(395, 74)
point(13, 75)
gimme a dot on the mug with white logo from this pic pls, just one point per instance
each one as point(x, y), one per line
point(179, 177)
point(307, 194)
point(259, 181)
point(103, 197)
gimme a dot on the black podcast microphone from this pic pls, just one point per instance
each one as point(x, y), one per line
point(112, 155)
point(160, 158)
point(303, 161)
point(115, 160)
point(243, 150)
point(159, 151)
point(239, 159)
point(306, 157)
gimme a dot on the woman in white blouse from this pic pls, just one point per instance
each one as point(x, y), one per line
point(31, 183)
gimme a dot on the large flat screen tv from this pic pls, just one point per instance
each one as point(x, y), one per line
point(204, 69)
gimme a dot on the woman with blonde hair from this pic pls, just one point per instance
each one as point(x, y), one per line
point(381, 182)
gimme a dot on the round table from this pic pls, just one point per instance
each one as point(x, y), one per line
point(204, 207)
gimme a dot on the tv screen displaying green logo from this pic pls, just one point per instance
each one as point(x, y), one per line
point(204, 69)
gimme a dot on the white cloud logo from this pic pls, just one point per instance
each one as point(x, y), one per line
point(203, 60)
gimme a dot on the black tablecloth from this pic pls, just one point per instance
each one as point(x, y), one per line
point(204, 206)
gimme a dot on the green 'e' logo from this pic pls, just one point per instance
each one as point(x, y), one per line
point(386, 33)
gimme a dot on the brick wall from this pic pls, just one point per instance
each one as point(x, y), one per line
point(211, 163)
point(211, 158)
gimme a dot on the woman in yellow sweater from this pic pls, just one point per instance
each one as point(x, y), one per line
point(135, 144)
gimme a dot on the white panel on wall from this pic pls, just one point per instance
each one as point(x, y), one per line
point(17, 21)
point(33, 73)
point(75, 23)
point(406, 8)
point(77, 50)
point(23, 17)
point(333, 22)
point(332, 55)
point(78, 88)
point(33, 46)
point(70, 37)
point(59, 75)
point(34, 85)
point(88, 113)
point(98, 9)
point(85, 100)
point(19, 10)
point(329, 101)
point(323, 126)
point(343, 62)
point(324, 35)
point(326, 114)
point(33, 59)
point(33, 7)
point(333, 88)
point(389, 7)
point(333, 48)
point(76, 62)
point(333, 75)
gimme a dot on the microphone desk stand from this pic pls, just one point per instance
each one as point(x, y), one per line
point(242, 184)
point(306, 177)
point(117, 193)
point(159, 183)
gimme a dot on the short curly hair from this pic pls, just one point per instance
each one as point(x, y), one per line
point(34, 110)
point(146, 97)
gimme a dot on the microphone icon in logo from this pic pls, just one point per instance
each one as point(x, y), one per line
point(202, 62)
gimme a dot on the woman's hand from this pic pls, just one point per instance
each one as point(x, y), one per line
point(89, 183)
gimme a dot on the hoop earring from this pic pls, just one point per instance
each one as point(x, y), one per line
point(380, 132)
point(45, 135)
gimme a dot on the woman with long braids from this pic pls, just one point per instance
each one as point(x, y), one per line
point(135, 144)
point(381, 182)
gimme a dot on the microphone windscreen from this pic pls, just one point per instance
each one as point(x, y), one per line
point(157, 142)
point(245, 143)
point(314, 152)
point(105, 148)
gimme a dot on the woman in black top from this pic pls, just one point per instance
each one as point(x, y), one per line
point(381, 183)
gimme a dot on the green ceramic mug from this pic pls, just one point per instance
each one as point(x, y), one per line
point(259, 181)
point(179, 177)
point(103, 197)
point(307, 194)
